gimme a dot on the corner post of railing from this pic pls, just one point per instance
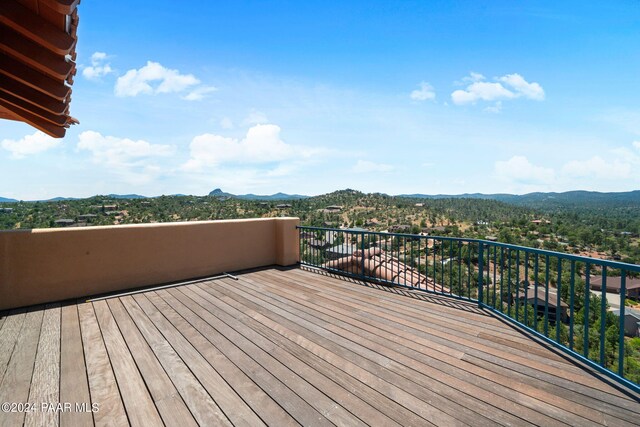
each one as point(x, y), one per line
point(362, 253)
point(480, 273)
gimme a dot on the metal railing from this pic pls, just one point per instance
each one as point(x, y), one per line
point(561, 298)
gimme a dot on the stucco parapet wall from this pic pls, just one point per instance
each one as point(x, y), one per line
point(45, 265)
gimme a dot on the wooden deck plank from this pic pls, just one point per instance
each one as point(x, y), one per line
point(199, 402)
point(102, 382)
point(435, 362)
point(285, 386)
point(374, 373)
point(537, 378)
point(574, 378)
point(228, 373)
point(187, 323)
point(74, 384)
point(172, 408)
point(340, 395)
point(16, 382)
point(433, 316)
point(264, 336)
point(465, 395)
point(459, 312)
point(45, 382)
point(141, 410)
point(225, 397)
point(9, 337)
point(471, 345)
point(460, 315)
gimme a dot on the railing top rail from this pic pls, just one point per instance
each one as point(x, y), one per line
point(566, 256)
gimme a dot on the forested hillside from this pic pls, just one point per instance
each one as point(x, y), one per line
point(600, 226)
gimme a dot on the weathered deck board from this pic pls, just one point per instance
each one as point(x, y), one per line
point(292, 347)
point(201, 405)
point(353, 348)
point(356, 406)
point(534, 375)
point(445, 360)
point(74, 384)
point(216, 351)
point(172, 408)
point(445, 370)
point(45, 382)
point(9, 337)
point(138, 403)
point(17, 378)
point(272, 375)
point(259, 333)
point(102, 381)
point(470, 344)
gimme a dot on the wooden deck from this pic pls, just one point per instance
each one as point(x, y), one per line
point(289, 347)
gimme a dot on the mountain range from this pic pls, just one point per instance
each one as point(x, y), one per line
point(548, 200)
point(278, 196)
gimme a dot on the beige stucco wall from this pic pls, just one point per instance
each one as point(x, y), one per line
point(45, 265)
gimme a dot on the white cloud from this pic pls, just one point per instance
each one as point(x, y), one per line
point(261, 145)
point(135, 82)
point(426, 92)
point(199, 93)
point(519, 169)
point(480, 90)
point(597, 167)
point(636, 144)
point(471, 78)
point(521, 86)
point(366, 166)
point(99, 67)
point(121, 153)
point(30, 144)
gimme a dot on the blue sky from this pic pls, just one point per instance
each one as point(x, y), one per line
point(310, 97)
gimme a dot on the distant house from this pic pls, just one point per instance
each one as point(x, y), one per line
point(540, 221)
point(64, 222)
point(400, 228)
point(419, 205)
point(491, 238)
point(482, 222)
point(333, 208)
point(372, 223)
point(631, 321)
point(87, 217)
point(6, 210)
point(528, 296)
point(614, 284)
point(283, 206)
